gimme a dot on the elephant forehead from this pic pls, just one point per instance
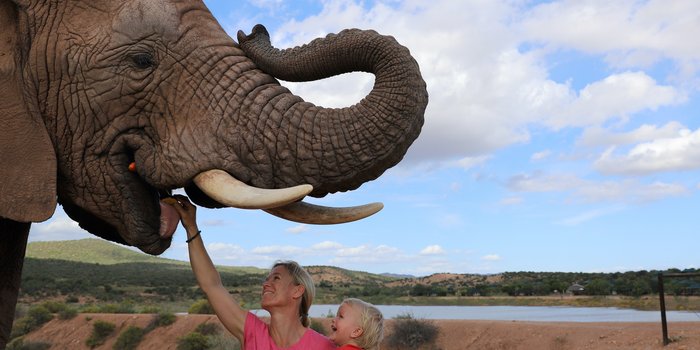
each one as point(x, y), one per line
point(140, 18)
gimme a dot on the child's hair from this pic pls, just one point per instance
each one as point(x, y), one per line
point(371, 322)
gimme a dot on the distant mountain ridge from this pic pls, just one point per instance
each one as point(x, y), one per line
point(106, 271)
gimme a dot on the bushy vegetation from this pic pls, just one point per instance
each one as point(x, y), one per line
point(113, 287)
point(129, 339)
point(208, 328)
point(119, 284)
point(35, 318)
point(67, 313)
point(100, 331)
point(20, 344)
point(162, 319)
point(110, 308)
point(193, 341)
point(201, 306)
point(411, 333)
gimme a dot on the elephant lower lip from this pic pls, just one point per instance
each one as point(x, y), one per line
point(169, 218)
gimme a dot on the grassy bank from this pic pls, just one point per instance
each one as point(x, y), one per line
point(648, 302)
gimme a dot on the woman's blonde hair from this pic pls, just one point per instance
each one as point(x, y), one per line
point(301, 277)
point(371, 322)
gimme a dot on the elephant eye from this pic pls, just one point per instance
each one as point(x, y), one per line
point(143, 60)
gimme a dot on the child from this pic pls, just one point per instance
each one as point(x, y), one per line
point(357, 326)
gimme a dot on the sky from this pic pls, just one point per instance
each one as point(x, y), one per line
point(560, 136)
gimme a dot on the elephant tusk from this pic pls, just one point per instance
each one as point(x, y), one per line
point(315, 214)
point(229, 191)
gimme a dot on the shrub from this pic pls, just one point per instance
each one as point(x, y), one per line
point(122, 308)
point(193, 341)
point(36, 316)
point(53, 306)
point(208, 328)
point(19, 344)
point(165, 319)
point(129, 339)
point(40, 314)
point(161, 320)
point(100, 331)
point(67, 313)
point(410, 333)
point(150, 310)
point(201, 307)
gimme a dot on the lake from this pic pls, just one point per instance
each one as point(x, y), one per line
point(522, 313)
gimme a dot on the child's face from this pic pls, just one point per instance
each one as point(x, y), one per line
point(345, 325)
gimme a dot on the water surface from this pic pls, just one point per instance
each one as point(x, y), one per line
point(523, 313)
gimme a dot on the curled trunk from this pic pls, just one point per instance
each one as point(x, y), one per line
point(337, 149)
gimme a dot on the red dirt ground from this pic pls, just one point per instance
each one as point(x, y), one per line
point(454, 334)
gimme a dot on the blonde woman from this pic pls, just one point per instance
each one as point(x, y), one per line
point(287, 294)
point(358, 325)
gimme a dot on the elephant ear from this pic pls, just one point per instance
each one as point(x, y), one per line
point(27, 157)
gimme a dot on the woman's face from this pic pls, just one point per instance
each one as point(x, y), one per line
point(279, 289)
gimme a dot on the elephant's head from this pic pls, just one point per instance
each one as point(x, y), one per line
point(107, 106)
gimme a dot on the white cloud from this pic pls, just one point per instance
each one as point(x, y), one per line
point(298, 229)
point(381, 254)
point(587, 216)
point(541, 155)
point(327, 246)
point(60, 227)
point(470, 162)
point(489, 77)
point(581, 190)
point(616, 96)
point(432, 250)
point(665, 154)
point(278, 250)
point(629, 33)
point(227, 247)
point(598, 136)
point(491, 257)
point(511, 200)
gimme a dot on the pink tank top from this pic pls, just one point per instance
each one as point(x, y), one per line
point(257, 337)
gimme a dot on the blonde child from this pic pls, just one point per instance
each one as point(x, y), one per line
point(358, 325)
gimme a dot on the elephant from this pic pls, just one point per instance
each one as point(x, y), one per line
point(108, 106)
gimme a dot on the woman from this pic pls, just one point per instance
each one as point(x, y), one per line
point(287, 294)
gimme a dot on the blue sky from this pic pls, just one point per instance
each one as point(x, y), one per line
point(559, 136)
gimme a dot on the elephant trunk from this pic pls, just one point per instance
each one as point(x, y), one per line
point(336, 149)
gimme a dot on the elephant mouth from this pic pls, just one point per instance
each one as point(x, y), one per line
point(212, 188)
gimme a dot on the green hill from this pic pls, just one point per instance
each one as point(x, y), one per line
point(102, 252)
point(90, 250)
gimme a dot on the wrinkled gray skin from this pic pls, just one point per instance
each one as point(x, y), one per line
point(86, 87)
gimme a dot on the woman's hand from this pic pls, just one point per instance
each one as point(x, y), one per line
point(187, 211)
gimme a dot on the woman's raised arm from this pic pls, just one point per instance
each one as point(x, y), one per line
point(230, 313)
